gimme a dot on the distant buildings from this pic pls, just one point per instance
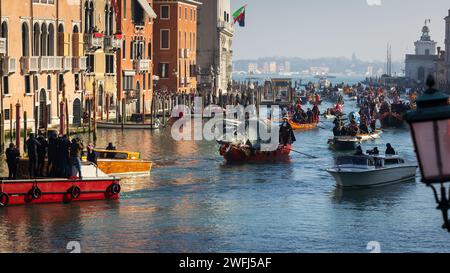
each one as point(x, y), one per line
point(273, 68)
point(252, 68)
point(423, 63)
point(175, 35)
point(214, 44)
point(320, 70)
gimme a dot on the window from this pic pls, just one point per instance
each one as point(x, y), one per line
point(163, 70)
point(7, 114)
point(165, 12)
point(60, 83)
point(90, 63)
point(49, 82)
point(6, 85)
point(131, 51)
point(27, 84)
point(127, 83)
point(109, 64)
point(77, 82)
point(124, 49)
point(179, 13)
point(165, 39)
point(143, 82)
point(185, 13)
point(192, 15)
point(35, 83)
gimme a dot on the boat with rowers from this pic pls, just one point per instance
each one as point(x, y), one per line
point(302, 126)
point(95, 185)
point(371, 171)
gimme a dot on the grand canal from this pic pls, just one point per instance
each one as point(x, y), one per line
point(194, 202)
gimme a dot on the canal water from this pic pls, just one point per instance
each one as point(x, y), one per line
point(194, 202)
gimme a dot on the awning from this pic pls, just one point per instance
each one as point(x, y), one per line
point(147, 8)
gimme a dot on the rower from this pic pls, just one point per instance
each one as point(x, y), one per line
point(390, 150)
point(359, 151)
point(286, 133)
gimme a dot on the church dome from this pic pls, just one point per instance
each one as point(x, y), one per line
point(425, 29)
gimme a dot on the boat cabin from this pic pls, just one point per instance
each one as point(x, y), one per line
point(368, 162)
point(113, 154)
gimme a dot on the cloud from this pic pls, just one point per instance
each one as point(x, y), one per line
point(373, 2)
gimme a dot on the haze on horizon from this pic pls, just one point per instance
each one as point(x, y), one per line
point(334, 28)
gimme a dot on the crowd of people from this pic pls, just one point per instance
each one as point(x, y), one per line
point(56, 156)
point(300, 116)
point(389, 151)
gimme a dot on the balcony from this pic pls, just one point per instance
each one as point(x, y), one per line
point(79, 64)
point(225, 27)
point(3, 46)
point(57, 63)
point(9, 65)
point(113, 42)
point(29, 64)
point(142, 66)
point(66, 64)
point(93, 41)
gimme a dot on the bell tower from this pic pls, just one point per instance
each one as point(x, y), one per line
point(425, 46)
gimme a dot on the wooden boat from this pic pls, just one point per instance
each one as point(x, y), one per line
point(128, 126)
point(95, 185)
point(392, 120)
point(372, 136)
point(344, 143)
point(304, 127)
point(122, 163)
point(243, 154)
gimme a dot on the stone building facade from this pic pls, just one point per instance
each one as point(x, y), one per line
point(215, 39)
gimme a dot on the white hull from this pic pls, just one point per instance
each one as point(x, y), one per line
point(357, 178)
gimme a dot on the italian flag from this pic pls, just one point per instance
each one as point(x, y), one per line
point(239, 16)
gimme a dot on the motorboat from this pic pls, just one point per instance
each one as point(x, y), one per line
point(371, 171)
point(344, 143)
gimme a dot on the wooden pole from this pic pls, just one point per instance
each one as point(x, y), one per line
point(61, 118)
point(67, 118)
point(18, 125)
point(124, 115)
point(94, 127)
point(90, 121)
point(143, 108)
point(11, 123)
point(107, 107)
point(24, 131)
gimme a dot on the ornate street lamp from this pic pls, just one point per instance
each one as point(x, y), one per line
point(430, 128)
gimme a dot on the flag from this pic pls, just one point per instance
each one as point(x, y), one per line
point(239, 16)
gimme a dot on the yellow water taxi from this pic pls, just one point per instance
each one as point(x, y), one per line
point(122, 163)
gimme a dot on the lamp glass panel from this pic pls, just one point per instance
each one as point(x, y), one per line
point(426, 148)
point(444, 139)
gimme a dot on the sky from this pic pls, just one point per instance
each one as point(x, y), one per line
point(336, 28)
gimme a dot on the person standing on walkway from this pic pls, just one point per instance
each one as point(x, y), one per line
point(12, 158)
point(52, 155)
point(32, 148)
point(76, 149)
point(63, 157)
point(42, 153)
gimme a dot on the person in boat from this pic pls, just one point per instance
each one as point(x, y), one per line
point(316, 113)
point(390, 150)
point(375, 151)
point(353, 128)
point(42, 153)
point(63, 167)
point(363, 128)
point(310, 116)
point(359, 151)
point(52, 155)
point(76, 149)
point(32, 149)
point(12, 158)
point(286, 133)
point(92, 155)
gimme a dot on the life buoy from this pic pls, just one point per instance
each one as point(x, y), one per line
point(35, 192)
point(115, 189)
point(75, 192)
point(4, 199)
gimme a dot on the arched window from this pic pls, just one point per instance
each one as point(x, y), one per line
point(60, 44)
point(49, 82)
point(75, 41)
point(5, 34)
point(51, 40)
point(25, 40)
point(107, 20)
point(36, 39)
point(44, 34)
point(91, 17)
point(111, 20)
point(87, 27)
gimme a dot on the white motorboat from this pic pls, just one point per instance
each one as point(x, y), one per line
point(371, 171)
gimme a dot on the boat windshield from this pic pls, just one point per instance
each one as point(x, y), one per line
point(353, 160)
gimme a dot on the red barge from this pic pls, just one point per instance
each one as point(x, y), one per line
point(95, 185)
point(243, 154)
